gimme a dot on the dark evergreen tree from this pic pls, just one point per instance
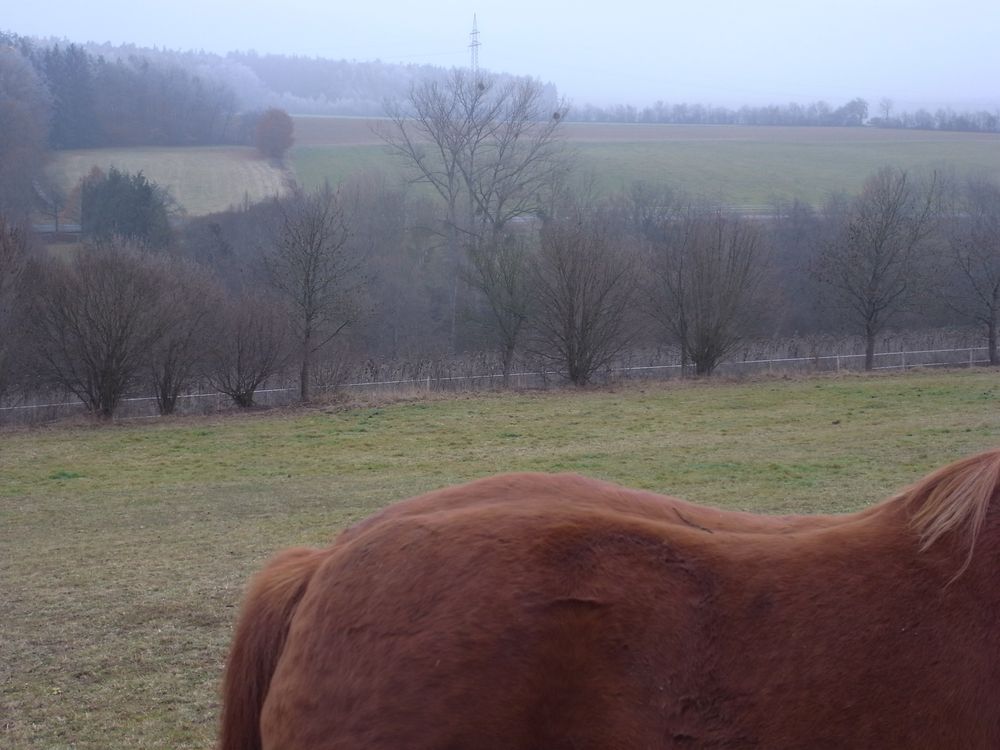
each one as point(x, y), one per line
point(69, 73)
point(128, 206)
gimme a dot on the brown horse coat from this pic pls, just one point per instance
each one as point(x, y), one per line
point(532, 611)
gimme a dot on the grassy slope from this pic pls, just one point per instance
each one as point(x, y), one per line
point(202, 180)
point(742, 166)
point(125, 547)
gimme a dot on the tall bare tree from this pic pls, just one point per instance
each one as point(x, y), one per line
point(876, 265)
point(489, 149)
point(974, 239)
point(704, 289)
point(584, 294)
point(312, 266)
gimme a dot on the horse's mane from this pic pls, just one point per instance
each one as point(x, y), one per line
point(955, 498)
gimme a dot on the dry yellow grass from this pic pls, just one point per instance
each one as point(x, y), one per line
point(202, 180)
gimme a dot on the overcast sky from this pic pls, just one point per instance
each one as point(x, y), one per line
point(725, 52)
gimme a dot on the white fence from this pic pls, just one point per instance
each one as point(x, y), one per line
point(145, 406)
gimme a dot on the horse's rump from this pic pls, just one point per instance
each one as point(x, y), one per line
point(260, 636)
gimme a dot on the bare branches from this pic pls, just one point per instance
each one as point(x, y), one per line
point(704, 289)
point(312, 267)
point(489, 149)
point(585, 286)
point(13, 262)
point(502, 275)
point(876, 264)
point(190, 324)
point(249, 348)
point(974, 239)
point(94, 320)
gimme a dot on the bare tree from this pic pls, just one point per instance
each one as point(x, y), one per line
point(646, 208)
point(94, 320)
point(503, 278)
point(584, 291)
point(188, 321)
point(13, 260)
point(488, 149)
point(876, 264)
point(249, 348)
point(406, 280)
point(313, 269)
point(53, 199)
point(885, 105)
point(974, 239)
point(705, 284)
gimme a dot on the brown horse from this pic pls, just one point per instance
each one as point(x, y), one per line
point(532, 611)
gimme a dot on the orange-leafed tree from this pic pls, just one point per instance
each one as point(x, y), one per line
point(274, 133)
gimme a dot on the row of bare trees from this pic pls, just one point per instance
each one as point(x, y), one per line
point(116, 316)
point(575, 289)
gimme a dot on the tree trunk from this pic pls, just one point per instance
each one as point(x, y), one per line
point(508, 361)
point(992, 335)
point(167, 403)
point(869, 350)
point(305, 393)
point(243, 399)
point(703, 366)
point(167, 392)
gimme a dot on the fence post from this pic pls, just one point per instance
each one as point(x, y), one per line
point(903, 355)
point(838, 363)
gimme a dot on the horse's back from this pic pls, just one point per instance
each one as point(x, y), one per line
point(545, 492)
point(491, 626)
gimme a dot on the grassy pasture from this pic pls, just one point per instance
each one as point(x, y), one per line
point(202, 180)
point(745, 166)
point(125, 548)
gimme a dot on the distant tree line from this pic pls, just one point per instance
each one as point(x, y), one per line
point(299, 84)
point(218, 86)
point(95, 102)
point(817, 114)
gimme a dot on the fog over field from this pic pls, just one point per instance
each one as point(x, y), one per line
point(919, 53)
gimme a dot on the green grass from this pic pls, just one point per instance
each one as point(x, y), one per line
point(755, 173)
point(314, 164)
point(752, 170)
point(125, 547)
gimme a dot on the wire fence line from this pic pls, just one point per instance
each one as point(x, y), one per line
point(138, 407)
